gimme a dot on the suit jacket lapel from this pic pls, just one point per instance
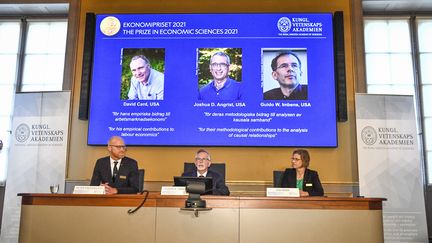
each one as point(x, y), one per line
point(292, 178)
point(107, 170)
point(209, 173)
point(122, 167)
point(306, 178)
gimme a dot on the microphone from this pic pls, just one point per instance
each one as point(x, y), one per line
point(132, 211)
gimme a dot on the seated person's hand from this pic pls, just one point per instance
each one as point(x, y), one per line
point(304, 194)
point(109, 190)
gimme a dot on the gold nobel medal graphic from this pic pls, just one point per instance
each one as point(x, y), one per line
point(110, 26)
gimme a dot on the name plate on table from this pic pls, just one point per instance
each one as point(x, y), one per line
point(89, 190)
point(283, 192)
point(173, 190)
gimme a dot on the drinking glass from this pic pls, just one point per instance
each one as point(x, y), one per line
point(54, 188)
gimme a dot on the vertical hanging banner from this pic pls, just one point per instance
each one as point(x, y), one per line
point(390, 165)
point(37, 154)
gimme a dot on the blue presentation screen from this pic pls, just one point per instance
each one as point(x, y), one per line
point(214, 80)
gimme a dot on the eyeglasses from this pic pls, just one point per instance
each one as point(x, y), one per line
point(119, 146)
point(286, 65)
point(295, 159)
point(219, 65)
point(202, 159)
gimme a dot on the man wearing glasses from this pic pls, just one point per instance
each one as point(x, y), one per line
point(287, 72)
point(146, 83)
point(221, 87)
point(202, 164)
point(117, 173)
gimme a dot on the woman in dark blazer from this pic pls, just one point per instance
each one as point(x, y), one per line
point(299, 176)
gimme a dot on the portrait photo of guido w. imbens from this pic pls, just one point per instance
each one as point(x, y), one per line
point(284, 74)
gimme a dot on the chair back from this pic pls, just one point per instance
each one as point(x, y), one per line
point(141, 173)
point(277, 178)
point(216, 167)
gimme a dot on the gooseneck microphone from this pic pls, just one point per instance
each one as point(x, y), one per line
point(131, 211)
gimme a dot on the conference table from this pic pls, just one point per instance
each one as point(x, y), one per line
point(105, 218)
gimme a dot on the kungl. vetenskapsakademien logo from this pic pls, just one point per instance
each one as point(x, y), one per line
point(369, 135)
point(284, 24)
point(22, 132)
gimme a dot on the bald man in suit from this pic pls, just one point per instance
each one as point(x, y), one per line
point(116, 172)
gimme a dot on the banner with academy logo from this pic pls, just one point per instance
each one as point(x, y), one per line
point(390, 165)
point(38, 150)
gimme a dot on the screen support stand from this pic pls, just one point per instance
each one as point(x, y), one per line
point(195, 203)
point(196, 210)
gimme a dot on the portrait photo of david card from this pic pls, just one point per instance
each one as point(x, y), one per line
point(284, 74)
point(220, 74)
point(143, 74)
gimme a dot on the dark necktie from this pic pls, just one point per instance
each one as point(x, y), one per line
point(115, 171)
point(201, 176)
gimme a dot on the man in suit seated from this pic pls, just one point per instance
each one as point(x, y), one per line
point(117, 173)
point(202, 164)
